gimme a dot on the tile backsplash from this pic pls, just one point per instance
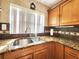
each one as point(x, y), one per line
point(71, 32)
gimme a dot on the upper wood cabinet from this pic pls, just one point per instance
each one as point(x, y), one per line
point(75, 10)
point(69, 13)
point(53, 17)
point(65, 13)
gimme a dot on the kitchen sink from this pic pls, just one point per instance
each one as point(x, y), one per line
point(25, 42)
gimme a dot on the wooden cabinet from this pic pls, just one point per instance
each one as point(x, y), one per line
point(53, 17)
point(26, 57)
point(56, 51)
point(59, 51)
point(69, 13)
point(75, 10)
point(68, 56)
point(1, 56)
point(66, 12)
point(52, 50)
point(41, 51)
point(18, 53)
point(43, 54)
point(40, 47)
point(71, 53)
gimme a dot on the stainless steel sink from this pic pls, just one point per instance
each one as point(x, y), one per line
point(25, 41)
point(22, 42)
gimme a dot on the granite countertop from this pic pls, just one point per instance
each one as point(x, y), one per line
point(68, 42)
point(5, 44)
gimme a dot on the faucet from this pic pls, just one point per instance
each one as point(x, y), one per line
point(28, 29)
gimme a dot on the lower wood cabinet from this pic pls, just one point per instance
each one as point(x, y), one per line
point(27, 57)
point(50, 50)
point(56, 50)
point(1, 57)
point(24, 53)
point(69, 56)
point(71, 53)
point(35, 52)
point(59, 51)
point(43, 54)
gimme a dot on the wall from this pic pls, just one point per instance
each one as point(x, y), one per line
point(5, 11)
point(24, 3)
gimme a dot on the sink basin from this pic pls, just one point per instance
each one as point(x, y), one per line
point(22, 42)
point(26, 41)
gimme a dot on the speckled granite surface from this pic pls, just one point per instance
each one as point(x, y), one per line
point(5, 44)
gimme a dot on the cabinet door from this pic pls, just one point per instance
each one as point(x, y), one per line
point(67, 56)
point(1, 57)
point(43, 54)
point(75, 10)
point(52, 50)
point(18, 53)
point(26, 57)
point(66, 13)
point(59, 51)
point(69, 13)
point(53, 17)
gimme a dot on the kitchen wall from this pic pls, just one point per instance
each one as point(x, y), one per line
point(5, 11)
point(5, 4)
point(4, 15)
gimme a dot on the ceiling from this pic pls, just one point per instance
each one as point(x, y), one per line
point(49, 3)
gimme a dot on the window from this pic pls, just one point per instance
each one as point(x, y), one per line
point(13, 18)
point(23, 21)
point(40, 23)
point(30, 23)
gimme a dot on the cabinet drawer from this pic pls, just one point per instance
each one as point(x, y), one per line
point(71, 51)
point(26, 57)
point(40, 47)
point(18, 53)
point(42, 54)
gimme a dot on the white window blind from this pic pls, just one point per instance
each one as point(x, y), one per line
point(22, 21)
point(30, 23)
point(13, 18)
